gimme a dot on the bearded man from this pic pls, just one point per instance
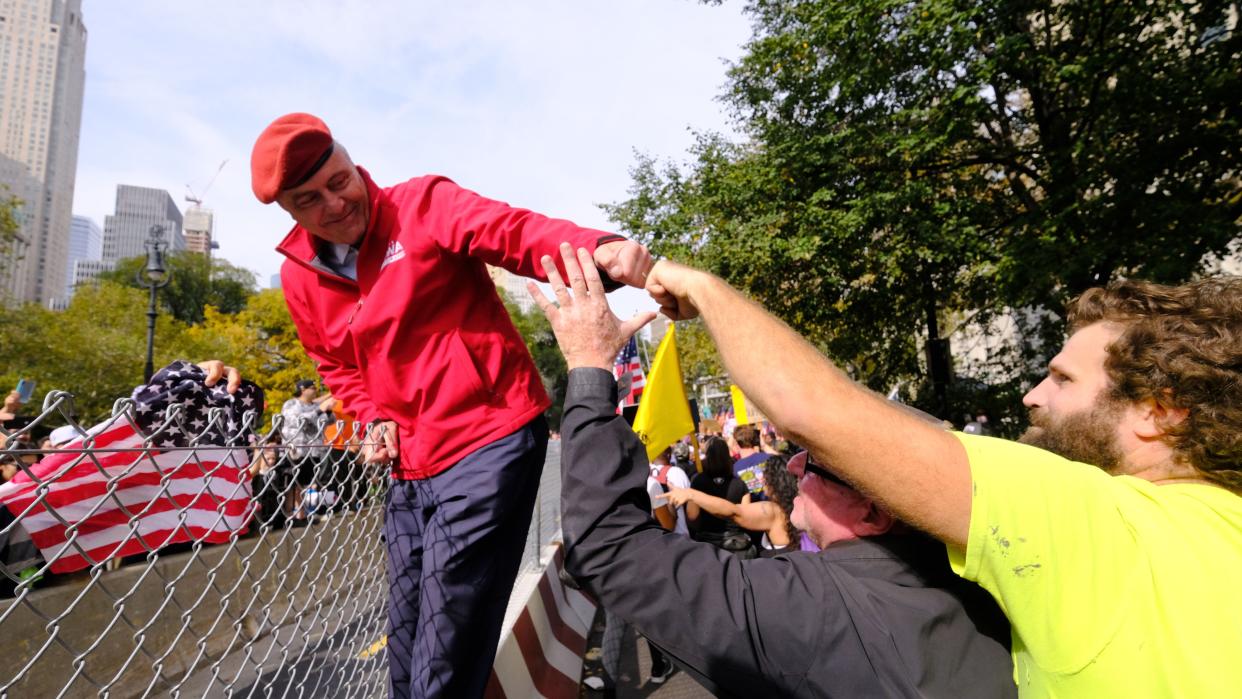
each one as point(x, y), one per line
point(1116, 560)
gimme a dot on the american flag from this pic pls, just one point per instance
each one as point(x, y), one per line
point(628, 369)
point(158, 473)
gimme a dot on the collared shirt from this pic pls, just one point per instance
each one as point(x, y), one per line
point(341, 258)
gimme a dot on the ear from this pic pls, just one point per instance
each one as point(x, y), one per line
point(1152, 418)
point(875, 522)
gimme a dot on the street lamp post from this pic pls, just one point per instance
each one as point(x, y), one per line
point(154, 276)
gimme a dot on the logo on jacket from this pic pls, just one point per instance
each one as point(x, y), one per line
point(395, 252)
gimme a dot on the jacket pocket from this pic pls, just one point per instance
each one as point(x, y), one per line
point(467, 367)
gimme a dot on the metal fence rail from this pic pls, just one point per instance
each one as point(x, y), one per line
point(270, 585)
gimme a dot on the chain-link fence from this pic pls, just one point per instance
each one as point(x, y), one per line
point(189, 554)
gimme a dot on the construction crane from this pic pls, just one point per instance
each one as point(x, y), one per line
point(198, 199)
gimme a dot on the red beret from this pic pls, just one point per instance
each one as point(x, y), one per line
point(288, 153)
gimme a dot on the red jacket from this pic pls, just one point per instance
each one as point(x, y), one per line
point(421, 338)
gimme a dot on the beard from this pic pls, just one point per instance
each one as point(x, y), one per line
point(1088, 436)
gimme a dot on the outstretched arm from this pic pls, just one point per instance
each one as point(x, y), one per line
point(755, 516)
point(918, 472)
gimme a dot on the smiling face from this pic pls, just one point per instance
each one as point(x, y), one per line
point(332, 205)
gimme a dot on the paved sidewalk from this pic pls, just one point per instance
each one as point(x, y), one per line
point(635, 671)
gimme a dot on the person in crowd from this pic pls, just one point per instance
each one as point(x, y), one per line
point(616, 628)
point(8, 467)
point(666, 476)
point(769, 517)
point(873, 614)
point(304, 421)
point(341, 466)
point(266, 483)
point(1112, 535)
point(749, 464)
point(390, 293)
point(9, 413)
point(12, 407)
point(770, 442)
point(717, 480)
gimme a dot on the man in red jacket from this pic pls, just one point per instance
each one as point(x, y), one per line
point(391, 297)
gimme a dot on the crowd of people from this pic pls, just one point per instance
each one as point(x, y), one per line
point(1095, 558)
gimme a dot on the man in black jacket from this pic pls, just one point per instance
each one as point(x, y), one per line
point(872, 616)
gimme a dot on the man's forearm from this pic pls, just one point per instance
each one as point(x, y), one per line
point(918, 472)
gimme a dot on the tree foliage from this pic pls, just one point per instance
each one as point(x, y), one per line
point(95, 349)
point(907, 162)
point(536, 331)
point(196, 282)
point(260, 340)
point(10, 211)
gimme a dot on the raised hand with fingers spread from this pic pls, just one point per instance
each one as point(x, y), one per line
point(589, 334)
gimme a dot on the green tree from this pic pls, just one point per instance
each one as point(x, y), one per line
point(904, 163)
point(260, 340)
point(537, 332)
point(10, 224)
point(94, 349)
point(197, 281)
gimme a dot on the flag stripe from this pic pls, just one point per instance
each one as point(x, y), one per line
point(81, 508)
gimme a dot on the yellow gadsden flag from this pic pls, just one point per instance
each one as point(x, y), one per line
point(663, 412)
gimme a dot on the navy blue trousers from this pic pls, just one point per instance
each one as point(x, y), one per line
point(455, 542)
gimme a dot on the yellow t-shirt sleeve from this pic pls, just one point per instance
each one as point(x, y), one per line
point(1046, 540)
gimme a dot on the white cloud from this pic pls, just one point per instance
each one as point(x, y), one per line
point(537, 103)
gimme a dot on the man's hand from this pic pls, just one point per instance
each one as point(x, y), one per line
point(216, 370)
point(381, 446)
point(585, 327)
point(672, 286)
point(625, 261)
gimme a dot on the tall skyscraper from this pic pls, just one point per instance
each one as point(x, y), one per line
point(17, 182)
point(137, 209)
point(42, 74)
point(198, 228)
point(85, 245)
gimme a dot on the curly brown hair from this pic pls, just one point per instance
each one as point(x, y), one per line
point(1182, 346)
point(782, 487)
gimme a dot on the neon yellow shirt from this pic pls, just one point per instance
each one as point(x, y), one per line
point(1114, 586)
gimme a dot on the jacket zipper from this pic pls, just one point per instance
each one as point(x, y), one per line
point(357, 307)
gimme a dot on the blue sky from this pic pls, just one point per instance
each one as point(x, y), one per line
point(541, 104)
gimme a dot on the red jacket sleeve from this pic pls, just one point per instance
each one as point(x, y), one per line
point(342, 378)
point(466, 223)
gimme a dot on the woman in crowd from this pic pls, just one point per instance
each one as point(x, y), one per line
point(717, 480)
point(770, 517)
